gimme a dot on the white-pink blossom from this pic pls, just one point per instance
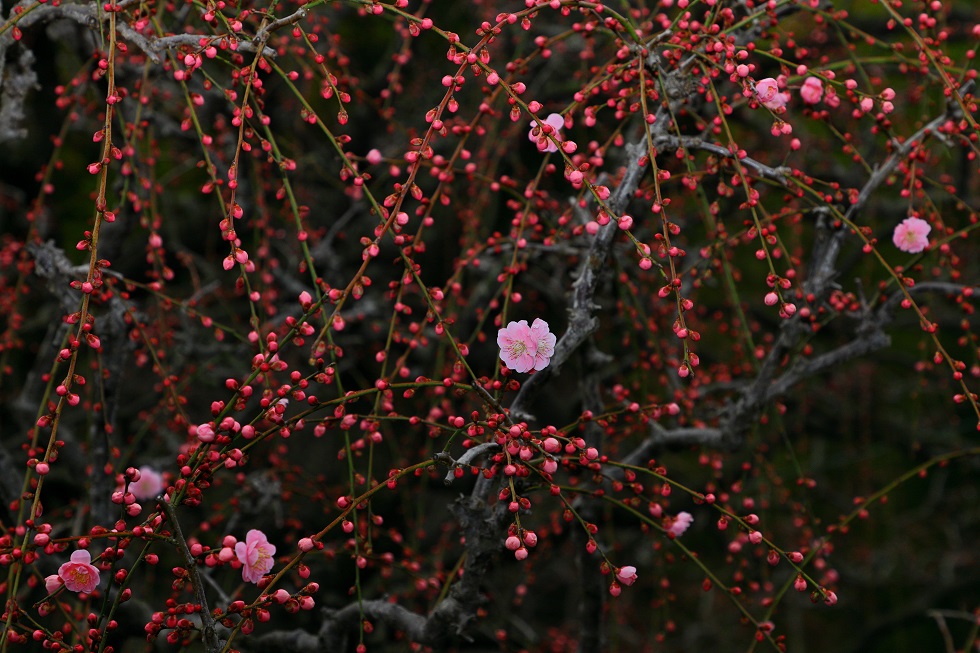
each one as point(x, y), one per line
point(680, 524)
point(255, 554)
point(149, 484)
point(912, 235)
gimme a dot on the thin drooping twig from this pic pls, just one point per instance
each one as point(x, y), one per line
point(824, 268)
point(582, 321)
point(870, 337)
point(485, 525)
point(212, 642)
point(88, 16)
point(743, 412)
point(114, 350)
point(52, 264)
point(593, 588)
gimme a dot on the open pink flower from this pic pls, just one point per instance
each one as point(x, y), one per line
point(255, 554)
point(149, 485)
point(680, 524)
point(517, 346)
point(627, 575)
point(912, 235)
point(536, 135)
point(768, 93)
point(523, 347)
point(812, 90)
point(545, 341)
point(80, 575)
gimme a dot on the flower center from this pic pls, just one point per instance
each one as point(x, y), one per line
point(79, 574)
point(518, 348)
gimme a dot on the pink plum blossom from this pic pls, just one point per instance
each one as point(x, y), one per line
point(627, 575)
point(523, 347)
point(149, 485)
point(812, 90)
point(912, 235)
point(80, 575)
point(52, 583)
point(255, 554)
point(768, 93)
point(545, 341)
point(536, 135)
point(680, 524)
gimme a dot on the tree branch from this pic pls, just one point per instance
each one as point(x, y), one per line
point(824, 268)
point(780, 174)
point(468, 457)
point(17, 82)
point(88, 16)
point(582, 321)
point(337, 624)
point(212, 643)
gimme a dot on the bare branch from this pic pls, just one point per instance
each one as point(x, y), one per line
point(9, 471)
point(864, 344)
point(17, 81)
point(298, 641)
point(339, 623)
point(744, 411)
point(467, 458)
point(779, 174)
point(265, 31)
point(591, 583)
point(51, 264)
point(824, 268)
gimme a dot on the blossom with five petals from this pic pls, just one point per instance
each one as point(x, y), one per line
point(79, 575)
point(912, 235)
point(255, 554)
